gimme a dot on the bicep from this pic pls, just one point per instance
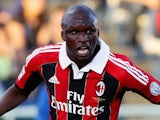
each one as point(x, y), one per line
point(12, 98)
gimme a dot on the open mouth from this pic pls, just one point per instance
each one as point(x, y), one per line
point(83, 51)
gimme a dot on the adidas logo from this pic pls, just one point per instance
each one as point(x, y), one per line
point(54, 80)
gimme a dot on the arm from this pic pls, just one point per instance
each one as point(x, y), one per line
point(134, 78)
point(143, 83)
point(11, 98)
point(28, 79)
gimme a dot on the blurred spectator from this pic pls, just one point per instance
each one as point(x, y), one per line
point(6, 57)
point(20, 29)
point(31, 16)
point(149, 35)
point(51, 30)
point(122, 16)
point(22, 23)
point(134, 11)
point(7, 51)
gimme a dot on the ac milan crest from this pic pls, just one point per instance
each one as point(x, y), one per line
point(100, 88)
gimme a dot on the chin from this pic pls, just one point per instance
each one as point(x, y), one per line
point(84, 58)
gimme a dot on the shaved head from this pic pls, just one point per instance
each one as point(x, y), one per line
point(78, 13)
point(81, 33)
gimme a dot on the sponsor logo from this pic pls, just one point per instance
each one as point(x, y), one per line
point(100, 88)
point(78, 108)
point(155, 89)
point(54, 80)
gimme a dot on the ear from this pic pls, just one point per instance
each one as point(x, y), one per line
point(62, 35)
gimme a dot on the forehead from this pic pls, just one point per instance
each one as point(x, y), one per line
point(79, 20)
point(80, 23)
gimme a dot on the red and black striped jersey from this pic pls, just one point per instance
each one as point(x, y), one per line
point(91, 93)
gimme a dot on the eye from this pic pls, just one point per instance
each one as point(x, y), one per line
point(90, 31)
point(73, 32)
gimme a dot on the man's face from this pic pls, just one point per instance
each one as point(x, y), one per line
point(81, 37)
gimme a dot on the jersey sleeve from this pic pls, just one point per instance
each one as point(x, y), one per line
point(135, 79)
point(29, 77)
point(143, 83)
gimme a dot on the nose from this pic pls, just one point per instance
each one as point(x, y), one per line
point(83, 37)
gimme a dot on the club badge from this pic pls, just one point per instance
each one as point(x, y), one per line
point(100, 88)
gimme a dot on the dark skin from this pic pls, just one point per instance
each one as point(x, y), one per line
point(11, 99)
point(81, 33)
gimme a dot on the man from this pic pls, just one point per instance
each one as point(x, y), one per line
point(84, 79)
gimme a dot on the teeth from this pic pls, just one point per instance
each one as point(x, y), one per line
point(82, 51)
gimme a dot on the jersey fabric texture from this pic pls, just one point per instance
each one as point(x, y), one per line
point(91, 93)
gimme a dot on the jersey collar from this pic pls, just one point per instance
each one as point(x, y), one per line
point(97, 64)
